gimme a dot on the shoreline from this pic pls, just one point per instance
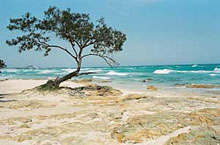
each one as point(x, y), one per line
point(170, 90)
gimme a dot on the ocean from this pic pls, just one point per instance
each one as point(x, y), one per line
point(164, 75)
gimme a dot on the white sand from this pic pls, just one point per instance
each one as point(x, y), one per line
point(16, 86)
point(90, 120)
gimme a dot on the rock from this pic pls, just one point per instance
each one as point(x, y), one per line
point(96, 114)
point(83, 81)
point(23, 138)
point(29, 104)
point(202, 86)
point(199, 86)
point(103, 81)
point(180, 85)
point(197, 135)
point(152, 88)
point(24, 126)
point(133, 97)
point(147, 80)
point(2, 80)
point(147, 127)
point(96, 90)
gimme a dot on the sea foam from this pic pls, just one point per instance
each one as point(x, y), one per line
point(94, 70)
point(168, 71)
point(45, 72)
point(113, 73)
point(195, 65)
point(213, 75)
point(217, 69)
point(69, 70)
point(10, 70)
point(163, 71)
point(103, 78)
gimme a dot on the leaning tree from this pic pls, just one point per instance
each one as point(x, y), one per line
point(76, 29)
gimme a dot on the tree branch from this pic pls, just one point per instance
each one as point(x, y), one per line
point(78, 44)
point(56, 46)
point(85, 44)
point(74, 48)
point(87, 73)
point(104, 57)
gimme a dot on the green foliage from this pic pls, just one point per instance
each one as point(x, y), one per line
point(75, 28)
point(2, 64)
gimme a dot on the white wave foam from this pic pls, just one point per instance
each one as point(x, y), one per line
point(10, 70)
point(45, 72)
point(217, 69)
point(213, 75)
point(163, 71)
point(103, 78)
point(167, 71)
point(113, 73)
point(29, 70)
point(69, 70)
point(94, 70)
point(196, 71)
point(195, 65)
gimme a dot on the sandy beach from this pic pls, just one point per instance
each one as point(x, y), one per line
point(92, 114)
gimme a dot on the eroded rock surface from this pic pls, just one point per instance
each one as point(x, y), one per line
point(152, 88)
point(198, 86)
point(101, 115)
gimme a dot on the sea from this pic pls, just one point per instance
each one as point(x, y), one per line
point(138, 77)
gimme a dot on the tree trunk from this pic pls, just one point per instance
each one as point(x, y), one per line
point(56, 83)
point(51, 84)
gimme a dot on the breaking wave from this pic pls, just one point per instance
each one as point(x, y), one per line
point(45, 72)
point(103, 78)
point(163, 71)
point(168, 71)
point(69, 70)
point(217, 69)
point(113, 73)
point(213, 75)
point(94, 70)
point(10, 70)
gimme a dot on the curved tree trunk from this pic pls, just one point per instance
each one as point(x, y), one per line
point(56, 83)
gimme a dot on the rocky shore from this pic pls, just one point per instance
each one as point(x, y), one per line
point(83, 113)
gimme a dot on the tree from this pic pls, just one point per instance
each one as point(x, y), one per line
point(2, 64)
point(75, 28)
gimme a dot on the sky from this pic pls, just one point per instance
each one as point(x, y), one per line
point(158, 32)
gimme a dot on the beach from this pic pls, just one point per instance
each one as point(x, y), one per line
point(117, 72)
point(82, 112)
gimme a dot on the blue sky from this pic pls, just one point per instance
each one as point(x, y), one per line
point(158, 31)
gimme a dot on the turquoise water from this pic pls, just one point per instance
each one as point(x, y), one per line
point(166, 75)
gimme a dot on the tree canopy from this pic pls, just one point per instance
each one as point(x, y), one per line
point(75, 28)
